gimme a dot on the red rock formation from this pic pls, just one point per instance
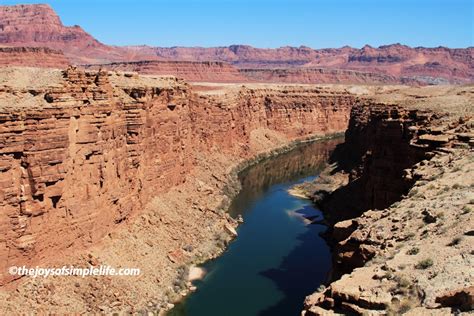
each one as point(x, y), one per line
point(394, 151)
point(426, 64)
point(188, 70)
point(32, 57)
point(92, 152)
point(376, 171)
point(38, 25)
point(320, 75)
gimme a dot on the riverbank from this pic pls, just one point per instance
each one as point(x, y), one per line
point(264, 266)
point(161, 243)
point(132, 171)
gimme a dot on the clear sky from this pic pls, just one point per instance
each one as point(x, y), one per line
point(271, 23)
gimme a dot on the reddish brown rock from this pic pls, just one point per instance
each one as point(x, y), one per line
point(462, 299)
point(32, 57)
point(83, 153)
point(321, 75)
point(189, 70)
point(38, 25)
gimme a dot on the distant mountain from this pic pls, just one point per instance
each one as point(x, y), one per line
point(39, 26)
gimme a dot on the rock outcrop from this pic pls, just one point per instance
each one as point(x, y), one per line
point(322, 75)
point(428, 65)
point(398, 247)
point(84, 152)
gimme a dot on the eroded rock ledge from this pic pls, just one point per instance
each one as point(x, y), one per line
point(400, 200)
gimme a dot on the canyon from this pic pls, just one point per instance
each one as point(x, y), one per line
point(130, 157)
point(92, 162)
point(84, 153)
point(408, 182)
point(28, 26)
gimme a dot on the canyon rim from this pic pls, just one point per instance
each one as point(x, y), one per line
point(132, 158)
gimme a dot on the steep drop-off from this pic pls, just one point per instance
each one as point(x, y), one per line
point(409, 256)
point(84, 152)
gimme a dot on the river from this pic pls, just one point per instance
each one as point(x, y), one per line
point(278, 257)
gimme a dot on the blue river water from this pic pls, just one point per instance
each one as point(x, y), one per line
point(278, 257)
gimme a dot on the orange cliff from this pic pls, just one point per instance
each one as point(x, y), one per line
point(84, 152)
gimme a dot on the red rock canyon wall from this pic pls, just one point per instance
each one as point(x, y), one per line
point(93, 152)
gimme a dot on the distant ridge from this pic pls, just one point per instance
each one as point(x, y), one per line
point(39, 26)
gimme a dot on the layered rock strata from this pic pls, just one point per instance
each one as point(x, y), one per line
point(411, 256)
point(323, 75)
point(32, 57)
point(39, 26)
point(84, 154)
point(188, 70)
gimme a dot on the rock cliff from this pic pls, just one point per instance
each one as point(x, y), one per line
point(205, 71)
point(322, 75)
point(82, 152)
point(397, 244)
point(32, 57)
point(39, 26)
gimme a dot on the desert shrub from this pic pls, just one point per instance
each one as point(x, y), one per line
point(455, 241)
point(466, 209)
point(405, 306)
point(424, 264)
point(413, 251)
point(403, 282)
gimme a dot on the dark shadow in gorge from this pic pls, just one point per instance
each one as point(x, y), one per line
point(297, 278)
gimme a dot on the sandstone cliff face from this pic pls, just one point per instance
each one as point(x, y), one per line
point(32, 57)
point(188, 70)
point(421, 64)
point(321, 75)
point(379, 147)
point(82, 155)
point(406, 255)
point(226, 73)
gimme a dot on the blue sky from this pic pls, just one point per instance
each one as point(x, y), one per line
point(271, 23)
